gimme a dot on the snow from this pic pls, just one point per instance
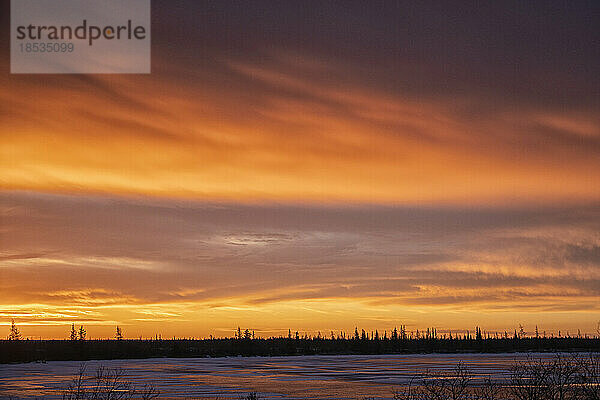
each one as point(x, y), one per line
point(302, 377)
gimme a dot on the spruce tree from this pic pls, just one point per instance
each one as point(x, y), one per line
point(73, 335)
point(14, 332)
point(82, 333)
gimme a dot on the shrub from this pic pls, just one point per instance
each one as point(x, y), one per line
point(106, 384)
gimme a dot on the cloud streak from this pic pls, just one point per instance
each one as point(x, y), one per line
point(255, 118)
point(205, 255)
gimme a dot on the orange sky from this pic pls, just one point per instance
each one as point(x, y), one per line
point(277, 182)
point(115, 135)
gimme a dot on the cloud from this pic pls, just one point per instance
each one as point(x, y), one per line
point(433, 157)
point(198, 255)
point(429, 116)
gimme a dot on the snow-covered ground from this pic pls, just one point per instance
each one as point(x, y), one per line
point(305, 377)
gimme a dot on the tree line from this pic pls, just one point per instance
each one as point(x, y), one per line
point(246, 343)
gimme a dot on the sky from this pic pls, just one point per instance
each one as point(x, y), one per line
point(311, 166)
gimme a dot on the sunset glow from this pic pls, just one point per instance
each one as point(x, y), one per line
point(271, 180)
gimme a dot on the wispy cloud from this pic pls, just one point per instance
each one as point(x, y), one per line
point(200, 256)
point(246, 129)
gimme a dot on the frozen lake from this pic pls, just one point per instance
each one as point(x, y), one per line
point(303, 377)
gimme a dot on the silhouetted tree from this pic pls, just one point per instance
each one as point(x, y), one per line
point(82, 333)
point(118, 333)
point(242, 344)
point(14, 332)
point(73, 335)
